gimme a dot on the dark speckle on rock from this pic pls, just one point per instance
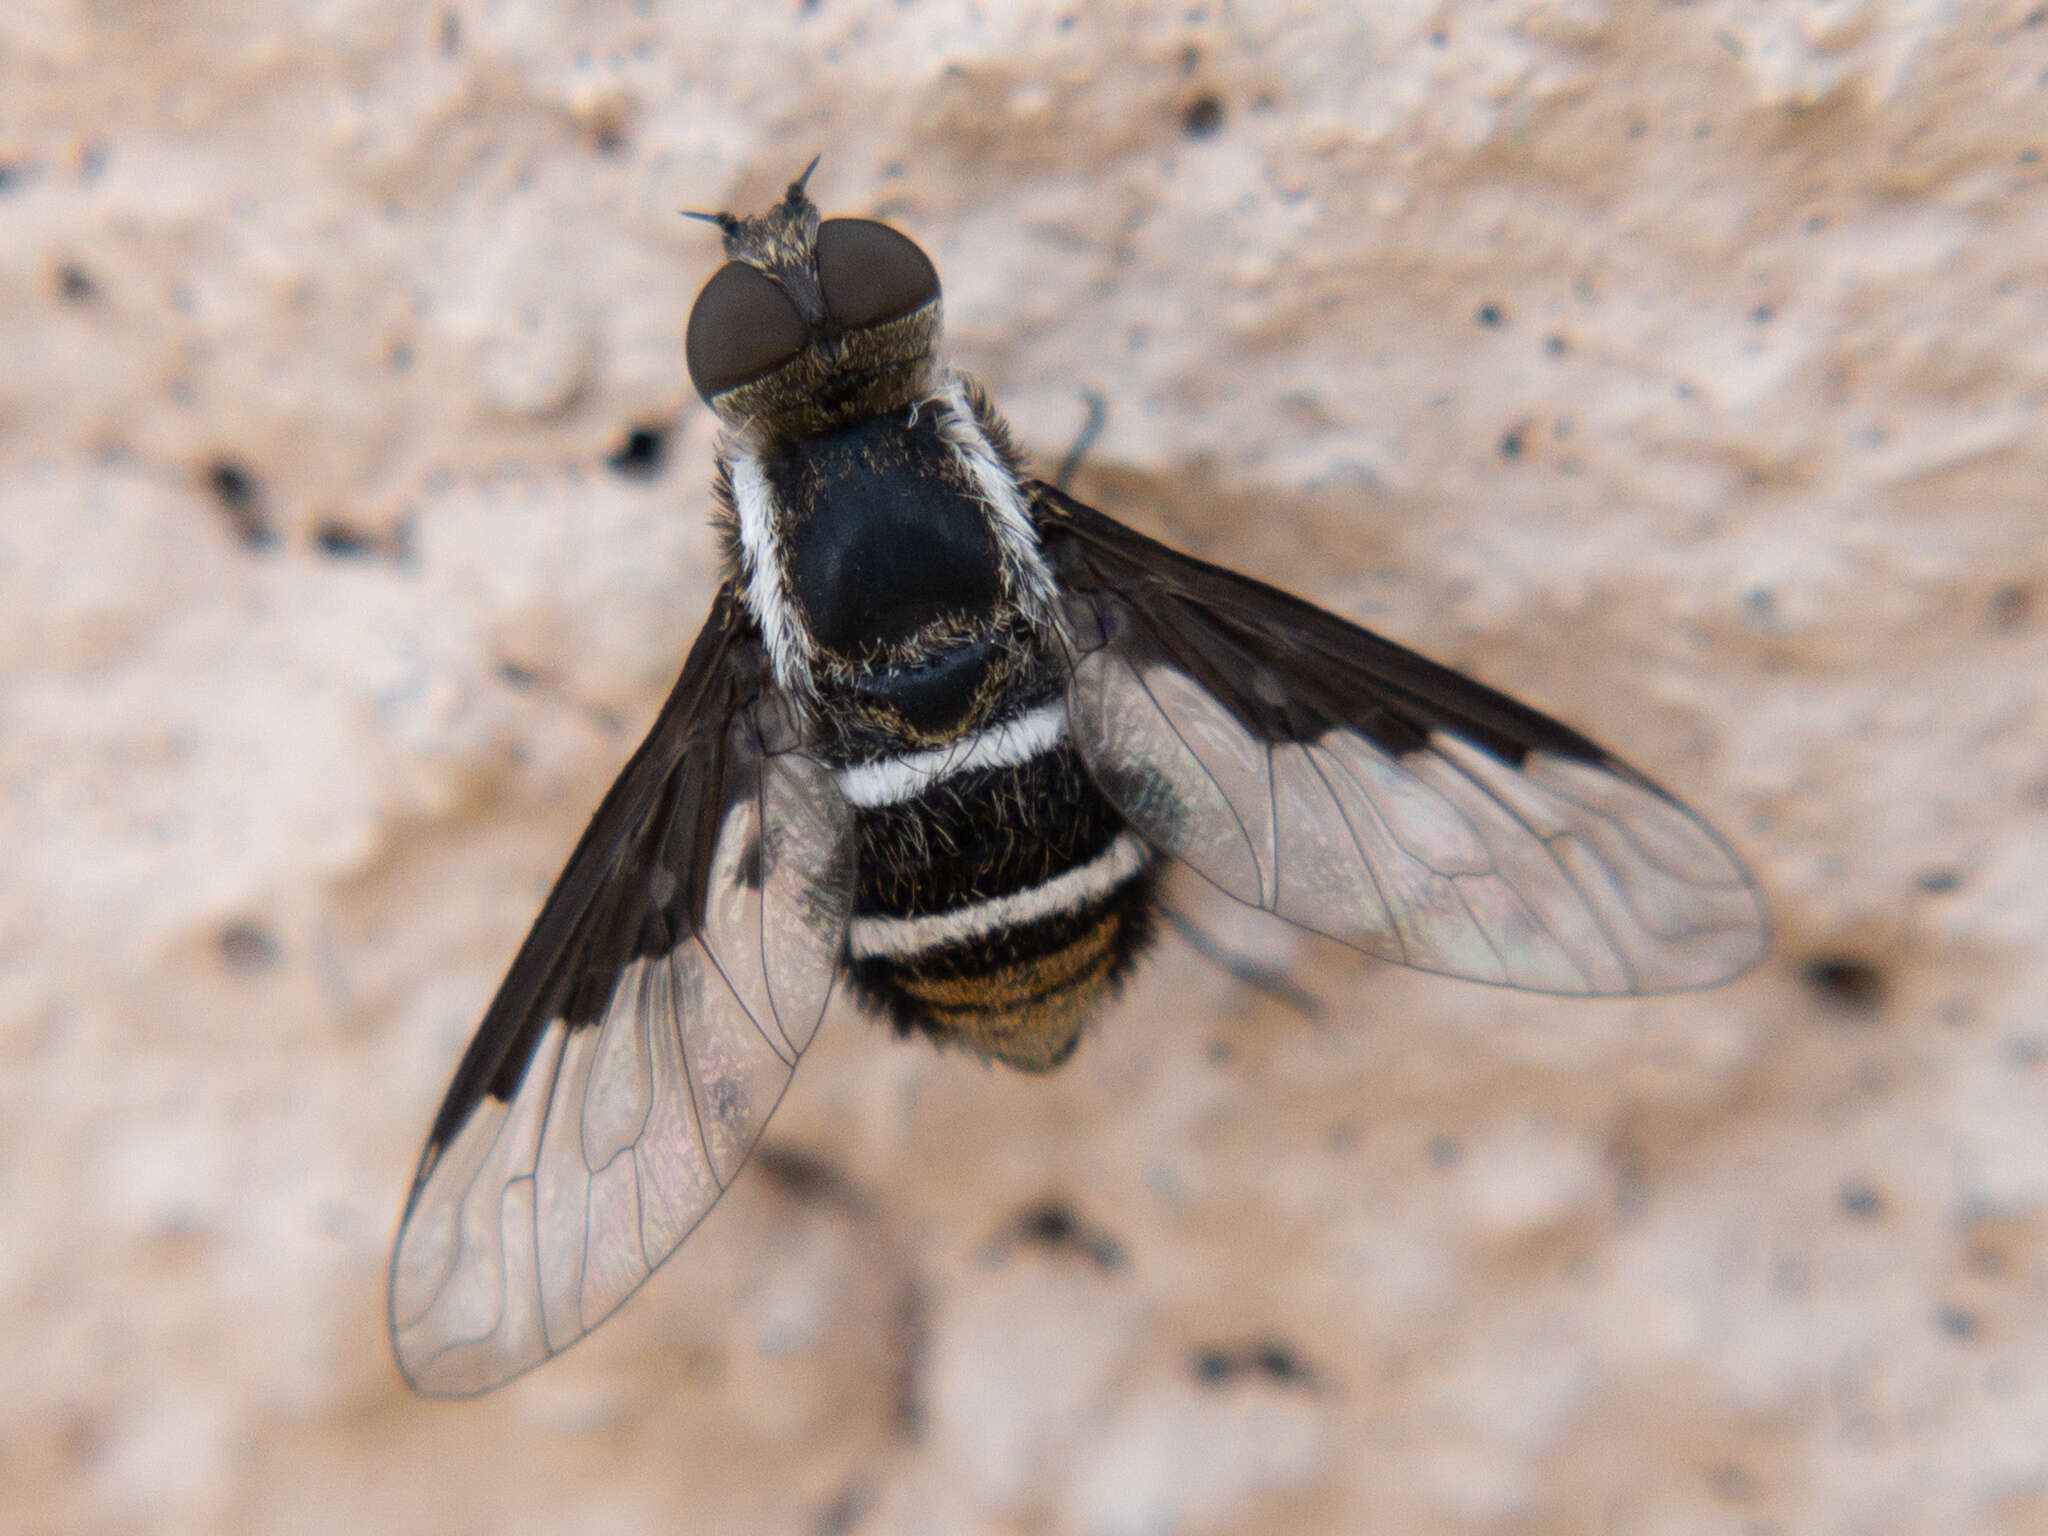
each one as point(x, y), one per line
point(75, 285)
point(1202, 118)
point(1846, 982)
point(248, 947)
point(240, 497)
point(641, 453)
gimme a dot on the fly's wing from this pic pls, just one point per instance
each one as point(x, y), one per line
point(641, 1039)
point(1317, 771)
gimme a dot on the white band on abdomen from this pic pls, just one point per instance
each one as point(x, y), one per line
point(887, 780)
point(873, 938)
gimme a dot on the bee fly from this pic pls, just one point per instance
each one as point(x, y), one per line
point(942, 730)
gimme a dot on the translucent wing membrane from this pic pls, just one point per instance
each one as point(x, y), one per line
point(1312, 769)
point(641, 1041)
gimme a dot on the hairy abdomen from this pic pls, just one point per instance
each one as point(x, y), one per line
point(1000, 899)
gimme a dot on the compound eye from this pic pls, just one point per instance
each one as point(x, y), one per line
point(742, 328)
point(870, 273)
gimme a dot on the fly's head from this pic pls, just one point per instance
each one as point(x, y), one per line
point(811, 325)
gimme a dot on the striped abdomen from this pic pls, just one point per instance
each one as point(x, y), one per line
point(999, 896)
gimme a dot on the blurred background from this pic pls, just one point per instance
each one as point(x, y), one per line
point(1679, 368)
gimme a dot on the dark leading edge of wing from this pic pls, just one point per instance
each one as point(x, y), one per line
point(1322, 773)
point(1286, 668)
point(641, 1039)
point(596, 918)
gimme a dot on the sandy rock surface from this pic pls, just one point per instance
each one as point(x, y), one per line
point(1680, 368)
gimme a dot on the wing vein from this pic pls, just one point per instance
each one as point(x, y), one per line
point(532, 1176)
point(760, 899)
point(1242, 830)
point(1538, 840)
point(1314, 755)
point(1273, 819)
point(1394, 836)
point(781, 1051)
point(1614, 947)
point(1621, 887)
point(1648, 854)
point(683, 1055)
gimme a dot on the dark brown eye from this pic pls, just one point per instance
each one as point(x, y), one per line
point(870, 273)
point(742, 328)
